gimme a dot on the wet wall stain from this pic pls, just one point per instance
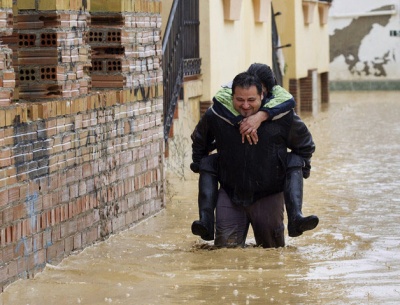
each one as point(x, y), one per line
point(31, 161)
point(347, 42)
point(30, 149)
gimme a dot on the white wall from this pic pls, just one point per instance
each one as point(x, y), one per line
point(364, 49)
point(229, 47)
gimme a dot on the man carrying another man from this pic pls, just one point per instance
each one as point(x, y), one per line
point(253, 177)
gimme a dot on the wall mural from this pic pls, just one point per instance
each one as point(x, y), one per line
point(364, 46)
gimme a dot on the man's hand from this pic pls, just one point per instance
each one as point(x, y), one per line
point(248, 127)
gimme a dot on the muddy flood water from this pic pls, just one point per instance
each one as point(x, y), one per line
point(352, 257)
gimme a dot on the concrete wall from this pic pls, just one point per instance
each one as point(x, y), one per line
point(76, 164)
point(166, 8)
point(365, 44)
point(187, 115)
point(228, 47)
point(303, 27)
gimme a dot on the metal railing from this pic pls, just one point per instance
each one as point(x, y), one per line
point(180, 54)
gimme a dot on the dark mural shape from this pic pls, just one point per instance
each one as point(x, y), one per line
point(347, 42)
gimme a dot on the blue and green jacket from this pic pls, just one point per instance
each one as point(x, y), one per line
point(277, 103)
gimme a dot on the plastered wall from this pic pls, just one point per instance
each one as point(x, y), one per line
point(365, 44)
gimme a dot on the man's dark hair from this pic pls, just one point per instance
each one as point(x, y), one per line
point(246, 80)
point(264, 73)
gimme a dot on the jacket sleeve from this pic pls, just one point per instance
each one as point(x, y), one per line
point(276, 110)
point(278, 103)
point(301, 143)
point(203, 142)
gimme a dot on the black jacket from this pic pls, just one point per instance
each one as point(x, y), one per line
point(250, 172)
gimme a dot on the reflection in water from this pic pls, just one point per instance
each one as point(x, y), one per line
point(351, 258)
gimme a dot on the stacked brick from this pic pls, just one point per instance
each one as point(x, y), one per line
point(7, 76)
point(6, 17)
point(73, 170)
point(125, 38)
point(69, 181)
point(51, 55)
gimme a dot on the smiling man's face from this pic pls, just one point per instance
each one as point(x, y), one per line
point(246, 101)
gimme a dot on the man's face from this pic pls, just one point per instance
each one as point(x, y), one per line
point(246, 101)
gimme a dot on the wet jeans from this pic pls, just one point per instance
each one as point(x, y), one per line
point(265, 217)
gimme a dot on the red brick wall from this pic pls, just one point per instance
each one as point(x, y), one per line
point(70, 180)
point(7, 75)
point(76, 164)
point(302, 89)
point(306, 92)
point(204, 105)
point(295, 91)
point(325, 87)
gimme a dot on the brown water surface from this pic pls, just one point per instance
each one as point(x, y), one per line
point(353, 257)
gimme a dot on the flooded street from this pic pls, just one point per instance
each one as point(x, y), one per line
point(353, 257)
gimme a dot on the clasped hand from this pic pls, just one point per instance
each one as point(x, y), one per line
point(248, 127)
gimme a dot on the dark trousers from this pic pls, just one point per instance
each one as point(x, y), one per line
point(265, 217)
